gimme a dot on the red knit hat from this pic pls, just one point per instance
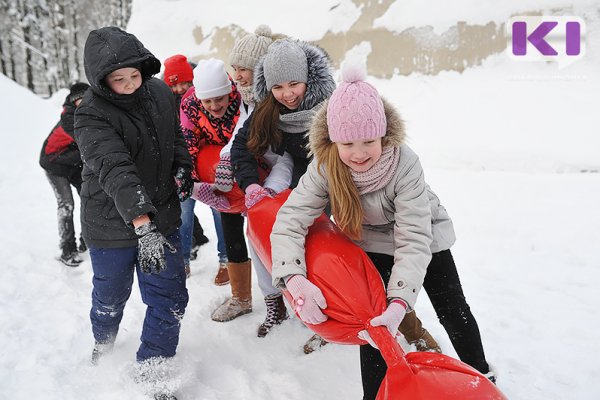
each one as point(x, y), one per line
point(177, 69)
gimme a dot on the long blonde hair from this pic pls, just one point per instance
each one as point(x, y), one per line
point(345, 201)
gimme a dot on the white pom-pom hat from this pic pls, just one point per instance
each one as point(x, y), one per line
point(355, 109)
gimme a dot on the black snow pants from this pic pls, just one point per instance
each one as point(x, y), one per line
point(443, 287)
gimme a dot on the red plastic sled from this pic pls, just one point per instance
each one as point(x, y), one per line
point(354, 292)
point(425, 375)
point(206, 164)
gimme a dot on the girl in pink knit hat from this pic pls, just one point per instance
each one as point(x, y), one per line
point(379, 198)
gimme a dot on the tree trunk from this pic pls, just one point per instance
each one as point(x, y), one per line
point(13, 70)
point(28, 66)
point(76, 45)
point(2, 63)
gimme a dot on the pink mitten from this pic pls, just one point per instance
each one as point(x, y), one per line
point(390, 318)
point(204, 192)
point(255, 193)
point(308, 298)
point(224, 174)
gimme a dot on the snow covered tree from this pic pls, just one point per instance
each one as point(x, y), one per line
point(41, 41)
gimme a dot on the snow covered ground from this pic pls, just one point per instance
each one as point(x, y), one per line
point(504, 146)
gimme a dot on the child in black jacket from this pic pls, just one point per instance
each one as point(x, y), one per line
point(61, 160)
point(136, 171)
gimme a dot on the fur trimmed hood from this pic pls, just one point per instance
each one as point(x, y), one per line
point(318, 135)
point(320, 82)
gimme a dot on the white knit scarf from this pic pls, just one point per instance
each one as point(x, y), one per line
point(380, 174)
point(247, 95)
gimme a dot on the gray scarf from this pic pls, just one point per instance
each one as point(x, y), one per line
point(380, 174)
point(296, 122)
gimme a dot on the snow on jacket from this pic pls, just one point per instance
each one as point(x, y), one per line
point(397, 218)
point(131, 145)
point(319, 86)
point(60, 155)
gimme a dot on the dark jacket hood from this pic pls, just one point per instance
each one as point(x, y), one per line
point(320, 83)
point(110, 48)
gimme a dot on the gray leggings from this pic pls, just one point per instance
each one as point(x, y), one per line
point(265, 282)
point(66, 204)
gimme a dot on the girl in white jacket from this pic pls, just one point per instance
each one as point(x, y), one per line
point(379, 198)
point(290, 81)
point(243, 58)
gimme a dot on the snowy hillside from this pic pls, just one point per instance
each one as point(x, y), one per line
point(504, 146)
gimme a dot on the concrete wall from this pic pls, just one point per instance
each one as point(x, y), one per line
point(417, 49)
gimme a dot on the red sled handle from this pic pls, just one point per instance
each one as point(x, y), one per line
point(390, 350)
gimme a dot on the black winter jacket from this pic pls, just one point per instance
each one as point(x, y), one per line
point(60, 155)
point(245, 164)
point(131, 145)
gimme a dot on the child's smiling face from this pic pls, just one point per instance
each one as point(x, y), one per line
point(360, 155)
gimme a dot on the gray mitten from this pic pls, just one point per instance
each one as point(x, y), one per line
point(151, 249)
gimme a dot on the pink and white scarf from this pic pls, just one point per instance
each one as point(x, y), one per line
point(380, 174)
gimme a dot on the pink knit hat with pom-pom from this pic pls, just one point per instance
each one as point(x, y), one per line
point(355, 110)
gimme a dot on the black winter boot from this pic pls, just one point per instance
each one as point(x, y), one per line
point(70, 257)
point(82, 246)
point(198, 233)
point(198, 239)
point(314, 343)
point(194, 252)
point(276, 314)
point(491, 374)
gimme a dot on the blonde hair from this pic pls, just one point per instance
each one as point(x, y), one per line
point(345, 201)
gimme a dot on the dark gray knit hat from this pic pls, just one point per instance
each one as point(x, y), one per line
point(285, 61)
point(76, 91)
point(250, 48)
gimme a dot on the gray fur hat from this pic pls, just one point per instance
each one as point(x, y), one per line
point(319, 84)
point(250, 48)
point(285, 61)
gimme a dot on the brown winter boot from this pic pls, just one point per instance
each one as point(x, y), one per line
point(414, 333)
point(240, 303)
point(276, 314)
point(222, 277)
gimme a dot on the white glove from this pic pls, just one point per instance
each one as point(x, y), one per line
point(390, 318)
